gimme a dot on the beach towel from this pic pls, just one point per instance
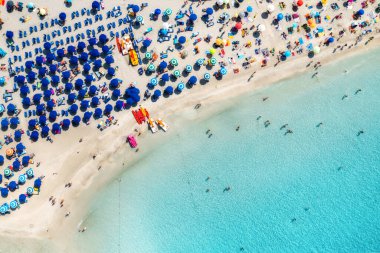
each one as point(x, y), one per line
point(2, 2)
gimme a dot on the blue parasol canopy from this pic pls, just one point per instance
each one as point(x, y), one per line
point(78, 84)
point(53, 68)
point(109, 59)
point(55, 79)
point(103, 38)
point(60, 53)
point(22, 198)
point(108, 109)
point(209, 11)
point(111, 71)
point(24, 90)
point(135, 8)
point(193, 80)
point(45, 131)
point(157, 12)
point(9, 34)
point(71, 97)
point(98, 113)
point(116, 93)
point(86, 67)
point(81, 45)
point(94, 53)
point(42, 120)
point(42, 72)
point(98, 63)
point(45, 83)
point(26, 102)
point(165, 77)
point(87, 116)
point(163, 65)
point(76, 120)
point(119, 105)
point(50, 57)
point(74, 60)
point(62, 16)
point(169, 90)
point(25, 160)
point(105, 49)
point(4, 123)
point(95, 5)
point(182, 39)
point(29, 64)
point(157, 93)
point(1, 162)
point(40, 109)
point(39, 60)
point(280, 16)
point(66, 123)
point(36, 98)
point(92, 41)
point(146, 43)
point(84, 56)
point(73, 108)
point(81, 94)
point(89, 78)
point(20, 79)
point(114, 83)
point(360, 12)
point(37, 183)
point(31, 75)
point(68, 87)
point(84, 104)
point(47, 45)
point(66, 74)
point(4, 192)
point(193, 17)
point(94, 101)
point(18, 136)
point(14, 121)
point(16, 165)
point(50, 105)
point(11, 108)
point(92, 90)
point(52, 116)
point(34, 136)
point(56, 128)
point(71, 49)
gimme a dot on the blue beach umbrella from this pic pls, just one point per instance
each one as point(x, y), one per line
point(87, 116)
point(280, 16)
point(66, 124)
point(11, 108)
point(22, 198)
point(4, 123)
point(45, 131)
point(66, 74)
point(146, 43)
point(50, 57)
point(94, 53)
point(193, 80)
point(45, 83)
point(114, 84)
point(165, 77)
point(18, 136)
point(14, 121)
point(62, 16)
point(153, 81)
point(287, 53)
point(157, 12)
point(47, 45)
point(119, 105)
point(169, 90)
point(209, 11)
point(111, 71)
point(36, 98)
point(360, 12)
point(84, 56)
point(92, 90)
point(92, 41)
point(24, 90)
point(39, 60)
point(98, 113)
point(68, 87)
point(86, 67)
point(42, 72)
point(60, 53)
point(193, 17)
point(81, 94)
point(223, 71)
point(29, 191)
point(135, 8)
point(40, 109)
point(109, 59)
point(20, 79)
point(4, 192)
point(9, 34)
point(53, 68)
point(76, 120)
point(29, 64)
point(157, 93)
point(26, 102)
point(94, 101)
point(84, 104)
point(116, 93)
point(188, 68)
point(52, 116)
point(79, 84)
point(130, 101)
point(163, 65)
point(108, 109)
point(71, 49)
point(47, 94)
point(182, 39)
point(25, 160)
point(105, 49)
point(89, 79)
point(42, 120)
point(73, 108)
point(81, 45)
point(103, 38)
point(95, 5)
point(16, 165)
point(74, 60)
point(13, 204)
point(50, 105)
point(31, 75)
point(331, 40)
point(12, 186)
point(71, 98)
point(98, 63)
point(249, 9)
point(56, 128)
point(37, 183)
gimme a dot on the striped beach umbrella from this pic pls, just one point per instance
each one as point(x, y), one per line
point(207, 76)
point(200, 61)
point(3, 209)
point(151, 67)
point(7, 172)
point(139, 19)
point(177, 73)
point(223, 71)
point(30, 173)
point(213, 61)
point(148, 55)
point(13, 204)
point(168, 12)
point(29, 191)
point(22, 179)
point(188, 68)
point(174, 62)
point(153, 81)
point(180, 86)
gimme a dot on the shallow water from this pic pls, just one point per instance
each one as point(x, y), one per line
point(315, 190)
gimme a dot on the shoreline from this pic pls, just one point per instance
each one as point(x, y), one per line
point(83, 170)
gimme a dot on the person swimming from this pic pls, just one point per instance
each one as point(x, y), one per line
point(209, 135)
point(283, 126)
point(267, 123)
point(237, 128)
point(357, 91)
point(265, 99)
point(259, 117)
point(227, 189)
point(319, 124)
point(208, 130)
point(360, 132)
point(288, 132)
point(345, 96)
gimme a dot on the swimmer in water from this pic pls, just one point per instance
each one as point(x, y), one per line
point(288, 132)
point(208, 131)
point(283, 126)
point(319, 124)
point(345, 96)
point(265, 99)
point(209, 135)
point(360, 132)
point(237, 129)
point(357, 91)
point(258, 118)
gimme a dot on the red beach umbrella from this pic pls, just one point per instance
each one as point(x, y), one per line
point(299, 2)
point(238, 25)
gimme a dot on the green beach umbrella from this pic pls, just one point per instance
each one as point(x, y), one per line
point(29, 191)
point(151, 67)
point(189, 68)
point(174, 62)
point(7, 172)
point(200, 61)
point(153, 81)
point(30, 173)
point(177, 73)
point(168, 11)
point(139, 19)
point(213, 61)
point(207, 76)
point(148, 55)
point(223, 71)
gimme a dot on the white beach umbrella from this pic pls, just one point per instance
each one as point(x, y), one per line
point(261, 28)
point(165, 25)
point(270, 7)
point(316, 50)
point(219, 2)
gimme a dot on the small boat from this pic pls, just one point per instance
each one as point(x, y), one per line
point(152, 125)
point(162, 124)
point(132, 141)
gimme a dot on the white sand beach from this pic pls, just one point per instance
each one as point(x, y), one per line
point(86, 157)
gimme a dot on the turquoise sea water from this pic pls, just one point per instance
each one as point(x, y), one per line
point(315, 190)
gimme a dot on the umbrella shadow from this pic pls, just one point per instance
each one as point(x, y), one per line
point(196, 67)
point(264, 15)
point(203, 82)
point(185, 73)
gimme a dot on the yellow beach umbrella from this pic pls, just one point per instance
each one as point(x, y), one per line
point(212, 51)
point(219, 42)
